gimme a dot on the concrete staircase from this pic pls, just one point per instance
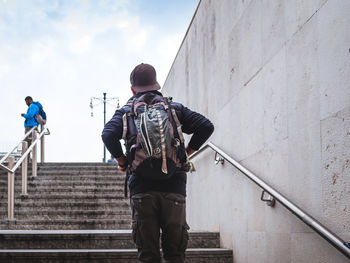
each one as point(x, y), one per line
point(77, 212)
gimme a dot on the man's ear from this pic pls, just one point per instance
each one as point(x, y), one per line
point(133, 91)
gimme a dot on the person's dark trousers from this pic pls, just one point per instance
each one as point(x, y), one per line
point(153, 211)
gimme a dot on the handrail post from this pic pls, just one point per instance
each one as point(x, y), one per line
point(34, 154)
point(11, 189)
point(42, 146)
point(24, 169)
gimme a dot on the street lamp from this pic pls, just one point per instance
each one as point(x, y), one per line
point(105, 101)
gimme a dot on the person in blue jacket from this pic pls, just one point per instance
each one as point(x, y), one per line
point(30, 120)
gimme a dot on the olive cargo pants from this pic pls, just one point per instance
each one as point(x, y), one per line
point(153, 211)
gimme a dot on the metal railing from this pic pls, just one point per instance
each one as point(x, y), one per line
point(23, 160)
point(333, 239)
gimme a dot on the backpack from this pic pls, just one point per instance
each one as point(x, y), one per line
point(41, 117)
point(155, 145)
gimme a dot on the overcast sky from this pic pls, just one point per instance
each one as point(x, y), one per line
point(63, 52)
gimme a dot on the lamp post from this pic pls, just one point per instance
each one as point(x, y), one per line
point(105, 101)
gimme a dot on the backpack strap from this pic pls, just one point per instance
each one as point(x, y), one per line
point(175, 120)
point(178, 125)
point(125, 125)
point(164, 165)
point(125, 119)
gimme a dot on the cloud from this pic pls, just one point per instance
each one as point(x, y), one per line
point(41, 51)
point(169, 45)
point(65, 52)
point(4, 69)
point(80, 44)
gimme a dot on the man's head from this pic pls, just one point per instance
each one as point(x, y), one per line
point(28, 100)
point(143, 78)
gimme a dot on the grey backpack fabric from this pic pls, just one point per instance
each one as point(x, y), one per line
point(154, 140)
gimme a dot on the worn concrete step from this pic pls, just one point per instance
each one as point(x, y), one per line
point(70, 178)
point(88, 173)
point(82, 164)
point(77, 168)
point(83, 205)
point(69, 214)
point(68, 166)
point(58, 224)
point(3, 174)
point(46, 167)
point(67, 180)
point(118, 191)
point(70, 197)
point(97, 165)
point(193, 255)
point(77, 191)
point(63, 188)
point(50, 183)
point(89, 239)
point(80, 172)
point(110, 175)
point(59, 171)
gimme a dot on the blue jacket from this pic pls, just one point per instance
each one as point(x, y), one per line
point(32, 111)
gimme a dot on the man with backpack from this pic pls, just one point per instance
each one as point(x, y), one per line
point(156, 162)
point(35, 115)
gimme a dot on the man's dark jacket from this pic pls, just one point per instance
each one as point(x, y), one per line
point(192, 123)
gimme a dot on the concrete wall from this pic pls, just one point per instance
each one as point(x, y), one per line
point(274, 77)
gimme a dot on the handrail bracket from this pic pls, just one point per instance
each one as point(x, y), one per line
point(347, 244)
point(270, 200)
point(218, 159)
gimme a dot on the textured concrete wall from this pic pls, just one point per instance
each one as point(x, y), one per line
point(274, 77)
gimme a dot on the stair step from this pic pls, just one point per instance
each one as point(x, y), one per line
point(70, 188)
point(69, 197)
point(64, 190)
point(84, 205)
point(73, 180)
point(81, 173)
point(69, 175)
point(194, 255)
point(69, 214)
point(67, 169)
point(50, 183)
point(82, 164)
point(65, 224)
point(89, 239)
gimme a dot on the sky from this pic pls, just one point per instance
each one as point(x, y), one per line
point(63, 52)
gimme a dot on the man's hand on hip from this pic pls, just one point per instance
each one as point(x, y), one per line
point(122, 163)
point(189, 151)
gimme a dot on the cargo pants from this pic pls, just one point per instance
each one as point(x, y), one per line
point(152, 211)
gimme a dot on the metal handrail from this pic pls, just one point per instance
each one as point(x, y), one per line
point(14, 148)
point(45, 131)
point(332, 238)
point(23, 161)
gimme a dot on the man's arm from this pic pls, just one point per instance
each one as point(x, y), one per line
point(111, 135)
point(31, 112)
point(196, 124)
point(189, 150)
